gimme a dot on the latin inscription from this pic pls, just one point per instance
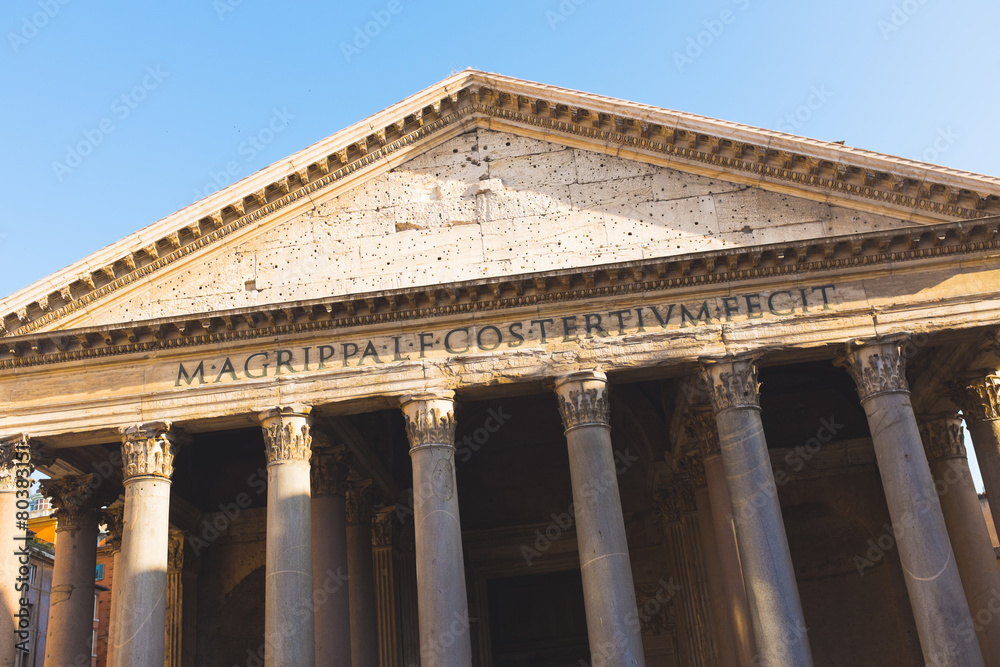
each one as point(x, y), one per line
point(471, 339)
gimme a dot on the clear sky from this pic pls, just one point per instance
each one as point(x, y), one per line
point(117, 114)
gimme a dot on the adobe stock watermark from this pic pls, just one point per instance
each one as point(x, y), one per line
point(364, 34)
point(223, 7)
point(698, 43)
point(565, 9)
point(33, 24)
point(562, 523)
point(945, 139)
point(901, 14)
point(121, 108)
point(794, 120)
point(795, 460)
point(249, 149)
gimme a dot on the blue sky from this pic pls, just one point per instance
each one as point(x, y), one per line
point(162, 97)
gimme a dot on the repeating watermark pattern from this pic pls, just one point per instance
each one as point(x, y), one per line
point(943, 141)
point(33, 24)
point(900, 16)
point(216, 524)
point(364, 34)
point(794, 120)
point(333, 583)
point(249, 149)
point(892, 532)
point(121, 108)
point(561, 13)
point(223, 7)
point(464, 449)
point(701, 41)
point(562, 523)
point(795, 460)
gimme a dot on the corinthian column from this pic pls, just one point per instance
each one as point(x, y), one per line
point(442, 600)
point(608, 591)
point(77, 501)
point(114, 519)
point(14, 466)
point(173, 629)
point(364, 617)
point(978, 395)
point(932, 579)
point(289, 634)
point(148, 457)
point(383, 529)
point(731, 602)
point(329, 533)
point(772, 592)
point(970, 539)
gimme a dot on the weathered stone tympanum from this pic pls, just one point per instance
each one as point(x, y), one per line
point(410, 290)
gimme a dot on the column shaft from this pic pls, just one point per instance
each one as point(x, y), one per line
point(736, 602)
point(932, 580)
point(725, 640)
point(772, 591)
point(970, 539)
point(289, 632)
point(978, 395)
point(114, 518)
point(383, 533)
point(445, 633)
point(608, 590)
point(332, 620)
point(364, 617)
point(142, 572)
point(71, 603)
point(173, 625)
point(147, 452)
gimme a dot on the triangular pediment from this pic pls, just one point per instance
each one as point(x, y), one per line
point(483, 177)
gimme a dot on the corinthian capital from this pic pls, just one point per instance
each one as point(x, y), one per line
point(430, 419)
point(732, 383)
point(287, 434)
point(942, 435)
point(702, 430)
point(328, 473)
point(583, 399)
point(113, 517)
point(360, 503)
point(14, 453)
point(77, 500)
point(877, 368)
point(978, 395)
point(148, 450)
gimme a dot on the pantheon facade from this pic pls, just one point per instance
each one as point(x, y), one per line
point(507, 375)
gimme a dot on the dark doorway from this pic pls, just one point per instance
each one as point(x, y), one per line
point(538, 620)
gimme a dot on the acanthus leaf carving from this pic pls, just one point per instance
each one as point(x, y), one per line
point(733, 384)
point(287, 434)
point(429, 421)
point(148, 450)
point(978, 395)
point(877, 368)
point(942, 436)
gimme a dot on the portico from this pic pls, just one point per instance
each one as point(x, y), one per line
point(521, 378)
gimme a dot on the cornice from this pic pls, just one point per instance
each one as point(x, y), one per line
point(466, 98)
point(497, 294)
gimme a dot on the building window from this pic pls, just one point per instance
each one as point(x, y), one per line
point(95, 612)
point(32, 573)
point(100, 572)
